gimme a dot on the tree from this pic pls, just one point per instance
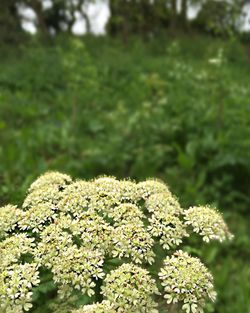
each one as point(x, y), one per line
point(137, 17)
point(173, 14)
point(183, 14)
point(220, 17)
point(10, 24)
point(61, 16)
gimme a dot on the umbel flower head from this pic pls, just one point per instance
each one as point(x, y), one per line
point(102, 307)
point(103, 240)
point(130, 289)
point(185, 279)
point(208, 223)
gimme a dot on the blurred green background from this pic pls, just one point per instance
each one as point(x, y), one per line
point(157, 95)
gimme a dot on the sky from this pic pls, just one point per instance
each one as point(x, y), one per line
point(99, 14)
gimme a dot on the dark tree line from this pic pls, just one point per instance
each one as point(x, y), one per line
point(147, 16)
point(60, 16)
point(128, 17)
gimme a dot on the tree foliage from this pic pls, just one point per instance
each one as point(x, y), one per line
point(10, 25)
point(144, 17)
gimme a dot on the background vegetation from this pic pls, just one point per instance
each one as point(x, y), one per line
point(145, 102)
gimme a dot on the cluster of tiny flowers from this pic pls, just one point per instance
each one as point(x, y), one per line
point(16, 286)
point(36, 218)
point(163, 202)
point(16, 280)
point(165, 222)
point(13, 247)
point(102, 307)
point(93, 231)
point(53, 241)
point(50, 179)
point(169, 228)
point(133, 241)
point(76, 197)
point(151, 186)
point(110, 192)
point(46, 189)
point(78, 267)
point(9, 217)
point(46, 195)
point(185, 279)
point(208, 223)
point(70, 265)
point(126, 213)
point(121, 189)
point(79, 229)
point(130, 288)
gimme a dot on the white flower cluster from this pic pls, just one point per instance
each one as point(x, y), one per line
point(130, 288)
point(110, 192)
point(78, 267)
point(92, 230)
point(208, 223)
point(151, 186)
point(165, 222)
point(50, 179)
point(46, 189)
point(9, 217)
point(13, 247)
point(37, 217)
point(78, 230)
point(163, 202)
point(76, 197)
point(16, 286)
point(53, 241)
point(168, 228)
point(16, 280)
point(185, 279)
point(133, 241)
point(126, 213)
point(102, 307)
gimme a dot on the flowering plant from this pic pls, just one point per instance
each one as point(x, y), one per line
point(100, 238)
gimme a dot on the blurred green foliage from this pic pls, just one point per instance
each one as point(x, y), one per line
point(177, 110)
